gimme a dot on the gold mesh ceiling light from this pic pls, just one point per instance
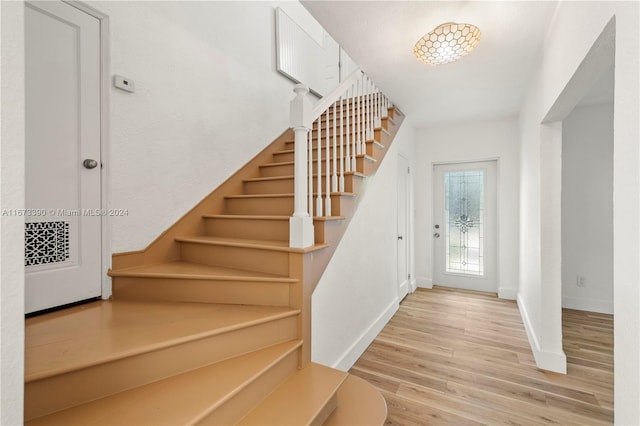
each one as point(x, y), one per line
point(447, 43)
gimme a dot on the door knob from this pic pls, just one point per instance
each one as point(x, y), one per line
point(437, 235)
point(399, 237)
point(90, 163)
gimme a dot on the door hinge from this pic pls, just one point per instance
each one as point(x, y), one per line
point(408, 169)
point(409, 276)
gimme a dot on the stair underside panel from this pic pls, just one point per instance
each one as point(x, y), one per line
point(225, 390)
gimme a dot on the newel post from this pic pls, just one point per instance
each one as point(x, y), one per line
point(301, 233)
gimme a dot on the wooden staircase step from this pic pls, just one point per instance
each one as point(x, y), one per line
point(359, 403)
point(253, 227)
point(284, 184)
point(371, 147)
point(191, 282)
point(99, 349)
point(219, 393)
point(306, 398)
point(270, 256)
point(276, 204)
point(285, 168)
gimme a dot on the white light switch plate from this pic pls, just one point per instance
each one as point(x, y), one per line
point(124, 83)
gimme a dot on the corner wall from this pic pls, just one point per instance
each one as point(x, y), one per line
point(358, 292)
point(576, 26)
point(208, 99)
point(587, 209)
point(12, 226)
point(485, 140)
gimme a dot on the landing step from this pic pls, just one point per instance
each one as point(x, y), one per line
point(359, 404)
point(110, 346)
point(211, 394)
point(308, 397)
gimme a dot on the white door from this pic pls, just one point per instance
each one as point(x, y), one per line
point(63, 223)
point(403, 226)
point(464, 230)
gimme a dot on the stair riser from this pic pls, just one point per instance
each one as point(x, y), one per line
point(370, 148)
point(202, 291)
point(245, 258)
point(237, 406)
point(285, 186)
point(253, 229)
point(287, 169)
point(276, 206)
point(79, 386)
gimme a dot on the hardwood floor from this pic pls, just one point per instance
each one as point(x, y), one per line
point(461, 357)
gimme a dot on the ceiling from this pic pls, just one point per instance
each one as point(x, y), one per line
point(488, 83)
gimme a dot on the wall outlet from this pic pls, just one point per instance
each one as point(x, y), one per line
point(580, 281)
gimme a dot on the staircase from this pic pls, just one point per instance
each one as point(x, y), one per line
point(210, 324)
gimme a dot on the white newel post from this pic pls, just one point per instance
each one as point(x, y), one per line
point(301, 233)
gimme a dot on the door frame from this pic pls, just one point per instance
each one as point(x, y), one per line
point(408, 234)
point(105, 199)
point(497, 208)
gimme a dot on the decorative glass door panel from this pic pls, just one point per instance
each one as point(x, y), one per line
point(464, 229)
point(464, 226)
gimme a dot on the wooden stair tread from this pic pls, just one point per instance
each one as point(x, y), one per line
point(196, 271)
point(299, 400)
point(287, 177)
point(359, 404)
point(241, 242)
point(248, 196)
point(178, 400)
point(253, 217)
point(104, 331)
point(290, 163)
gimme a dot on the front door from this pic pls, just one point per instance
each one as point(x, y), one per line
point(464, 230)
point(63, 168)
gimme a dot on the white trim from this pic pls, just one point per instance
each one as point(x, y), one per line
point(587, 304)
point(551, 361)
point(105, 87)
point(413, 285)
point(507, 293)
point(351, 355)
point(424, 282)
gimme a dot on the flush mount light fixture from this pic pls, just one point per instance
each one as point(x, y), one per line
point(447, 43)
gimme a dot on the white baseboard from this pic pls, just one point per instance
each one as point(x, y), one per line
point(413, 285)
point(351, 355)
point(585, 304)
point(546, 360)
point(507, 293)
point(424, 282)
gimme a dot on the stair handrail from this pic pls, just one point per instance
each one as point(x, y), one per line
point(328, 100)
point(365, 106)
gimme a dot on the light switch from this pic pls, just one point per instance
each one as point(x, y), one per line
point(124, 83)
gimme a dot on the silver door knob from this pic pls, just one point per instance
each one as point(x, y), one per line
point(90, 163)
point(437, 235)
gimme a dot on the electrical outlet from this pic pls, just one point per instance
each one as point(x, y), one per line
point(580, 281)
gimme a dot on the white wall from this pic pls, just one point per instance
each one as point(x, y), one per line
point(496, 139)
point(587, 208)
point(573, 32)
point(208, 98)
point(358, 292)
point(12, 227)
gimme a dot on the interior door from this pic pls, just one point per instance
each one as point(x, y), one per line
point(403, 226)
point(63, 168)
point(464, 230)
